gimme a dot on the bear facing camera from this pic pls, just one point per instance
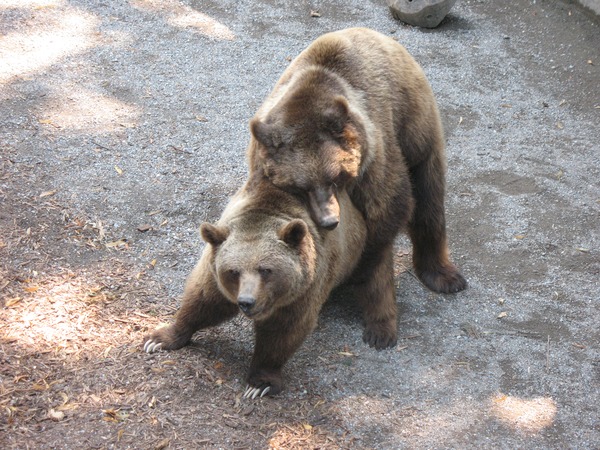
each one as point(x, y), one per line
point(266, 258)
point(346, 152)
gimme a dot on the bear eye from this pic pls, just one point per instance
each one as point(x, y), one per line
point(232, 273)
point(264, 271)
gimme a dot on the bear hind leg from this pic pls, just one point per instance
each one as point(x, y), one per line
point(427, 229)
point(377, 297)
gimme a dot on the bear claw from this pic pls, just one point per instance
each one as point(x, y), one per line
point(152, 346)
point(253, 392)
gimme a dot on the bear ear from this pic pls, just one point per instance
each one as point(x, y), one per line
point(213, 234)
point(293, 233)
point(267, 134)
point(337, 115)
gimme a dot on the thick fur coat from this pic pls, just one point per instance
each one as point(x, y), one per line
point(355, 113)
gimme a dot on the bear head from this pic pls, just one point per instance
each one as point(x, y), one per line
point(261, 263)
point(309, 144)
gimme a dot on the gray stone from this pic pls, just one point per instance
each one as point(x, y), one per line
point(422, 13)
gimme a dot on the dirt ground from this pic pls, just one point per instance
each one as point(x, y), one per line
point(123, 126)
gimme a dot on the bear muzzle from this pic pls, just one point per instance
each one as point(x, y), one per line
point(325, 207)
point(246, 304)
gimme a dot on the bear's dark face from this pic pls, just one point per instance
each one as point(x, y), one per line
point(259, 268)
point(313, 155)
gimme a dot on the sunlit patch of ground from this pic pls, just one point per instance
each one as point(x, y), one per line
point(182, 16)
point(49, 35)
point(301, 436)
point(530, 416)
point(75, 108)
point(68, 315)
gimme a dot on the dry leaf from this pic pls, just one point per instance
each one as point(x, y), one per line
point(307, 427)
point(67, 407)
point(114, 415)
point(500, 398)
point(12, 301)
point(119, 243)
point(162, 444)
point(65, 398)
point(48, 193)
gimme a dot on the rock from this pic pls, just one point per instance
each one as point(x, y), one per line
point(422, 13)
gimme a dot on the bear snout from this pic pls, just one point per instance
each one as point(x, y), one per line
point(329, 223)
point(246, 304)
point(325, 207)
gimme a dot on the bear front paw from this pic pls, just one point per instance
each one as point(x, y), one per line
point(167, 338)
point(262, 382)
point(152, 346)
point(253, 392)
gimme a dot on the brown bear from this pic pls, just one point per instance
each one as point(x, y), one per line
point(354, 113)
point(267, 258)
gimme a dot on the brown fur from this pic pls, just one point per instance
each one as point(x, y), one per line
point(354, 112)
point(266, 257)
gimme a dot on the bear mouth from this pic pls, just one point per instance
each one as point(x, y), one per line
point(252, 313)
point(257, 314)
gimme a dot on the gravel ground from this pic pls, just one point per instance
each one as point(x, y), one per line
point(123, 126)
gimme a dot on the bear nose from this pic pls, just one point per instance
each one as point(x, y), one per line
point(330, 222)
point(246, 303)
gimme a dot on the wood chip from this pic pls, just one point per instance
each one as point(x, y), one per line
point(56, 416)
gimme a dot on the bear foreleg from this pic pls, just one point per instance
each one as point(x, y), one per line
point(203, 305)
point(277, 339)
point(427, 228)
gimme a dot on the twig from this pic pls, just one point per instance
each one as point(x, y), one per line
point(100, 145)
point(548, 354)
